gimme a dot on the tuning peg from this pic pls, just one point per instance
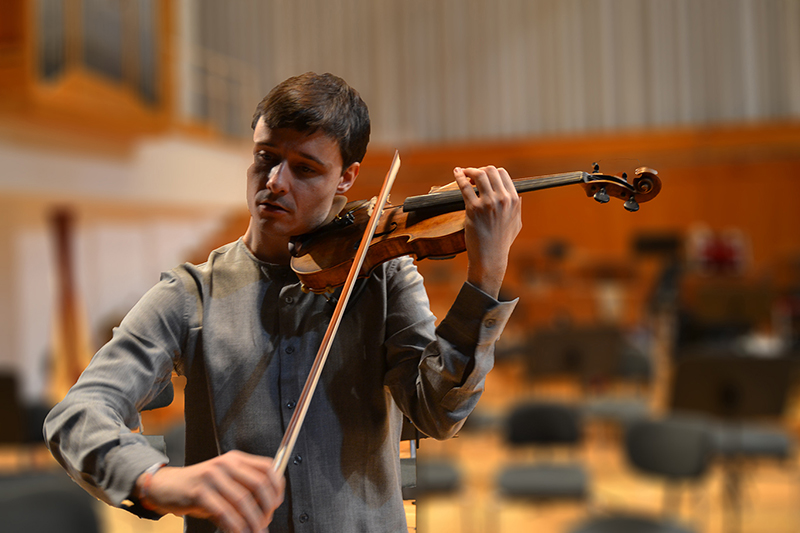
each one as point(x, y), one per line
point(631, 205)
point(595, 167)
point(601, 195)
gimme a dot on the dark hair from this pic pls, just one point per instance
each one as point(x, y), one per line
point(313, 101)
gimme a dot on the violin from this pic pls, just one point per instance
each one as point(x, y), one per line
point(432, 225)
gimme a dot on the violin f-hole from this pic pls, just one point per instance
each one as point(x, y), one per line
point(392, 227)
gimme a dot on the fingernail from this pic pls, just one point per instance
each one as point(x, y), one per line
point(456, 170)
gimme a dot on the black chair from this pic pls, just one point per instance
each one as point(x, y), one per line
point(634, 370)
point(422, 478)
point(20, 422)
point(12, 414)
point(543, 426)
point(45, 502)
point(482, 421)
point(674, 449)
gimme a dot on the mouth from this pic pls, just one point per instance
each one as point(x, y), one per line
point(271, 207)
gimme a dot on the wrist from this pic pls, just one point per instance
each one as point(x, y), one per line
point(489, 281)
point(143, 487)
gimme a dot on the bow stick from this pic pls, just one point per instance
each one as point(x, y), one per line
point(292, 431)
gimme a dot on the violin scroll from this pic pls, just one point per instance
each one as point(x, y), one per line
point(646, 186)
point(647, 183)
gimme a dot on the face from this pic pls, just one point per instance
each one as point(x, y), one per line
point(291, 185)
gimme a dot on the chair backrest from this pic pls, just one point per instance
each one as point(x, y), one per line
point(44, 501)
point(544, 423)
point(11, 411)
point(674, 447)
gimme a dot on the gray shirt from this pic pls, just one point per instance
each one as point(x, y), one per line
point(245, 336)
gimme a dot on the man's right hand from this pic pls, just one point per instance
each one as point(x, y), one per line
point(237, 491)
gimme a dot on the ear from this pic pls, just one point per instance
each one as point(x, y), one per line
point(348, 178)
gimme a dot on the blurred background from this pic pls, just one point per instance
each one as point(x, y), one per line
point(124, 141)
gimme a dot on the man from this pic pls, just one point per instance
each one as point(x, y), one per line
point(244, 334)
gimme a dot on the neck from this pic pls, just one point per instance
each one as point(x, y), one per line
point(273, 250)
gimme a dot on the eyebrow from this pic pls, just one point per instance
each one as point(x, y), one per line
point(302, 154)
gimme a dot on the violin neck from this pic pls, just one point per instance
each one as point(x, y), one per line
point(453, 200)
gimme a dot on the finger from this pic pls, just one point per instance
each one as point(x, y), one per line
point(464, 183)
point(488, 183)
point(504, 193)
point(240, 499)
point(482, 179)
point(507, 182)
point(265, 486)
point(217, 509)
point(501, 182)
point(258, 475)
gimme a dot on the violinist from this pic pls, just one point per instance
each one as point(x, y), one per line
point(244, 334)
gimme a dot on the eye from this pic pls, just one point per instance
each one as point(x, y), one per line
point(306, 170)
point(263, 157)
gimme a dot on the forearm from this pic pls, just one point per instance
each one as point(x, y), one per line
point(96, 447)
point(91, 431)
point(438, 389)
point(487, 275)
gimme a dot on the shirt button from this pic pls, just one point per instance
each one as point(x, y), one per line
point(290, 349)
point(304, 518)
point(290, 404)
point(288, 299)
point(297, 460)
point(489, 323)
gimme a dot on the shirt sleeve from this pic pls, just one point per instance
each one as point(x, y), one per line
point(90, 432)
point(436, 375)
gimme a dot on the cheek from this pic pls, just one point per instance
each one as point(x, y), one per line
point(312, 199)
point(252, 183)
point(255, 176)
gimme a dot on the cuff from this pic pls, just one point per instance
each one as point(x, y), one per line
point(130, 460)
point(476, 317)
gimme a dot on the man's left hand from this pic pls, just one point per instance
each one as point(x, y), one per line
point(493, 221)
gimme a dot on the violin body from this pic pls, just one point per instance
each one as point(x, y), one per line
point(430, 226)
point(322, 259)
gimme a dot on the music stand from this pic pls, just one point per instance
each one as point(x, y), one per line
point(589, 353)
point(736, 390)
point(592, 355)
point(733, 388)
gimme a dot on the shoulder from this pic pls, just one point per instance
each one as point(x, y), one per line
point(400, 275)
point(232, 259)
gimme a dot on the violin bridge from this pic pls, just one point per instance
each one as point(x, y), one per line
point(372, 203)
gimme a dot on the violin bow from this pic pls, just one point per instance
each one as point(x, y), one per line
point(296, 422)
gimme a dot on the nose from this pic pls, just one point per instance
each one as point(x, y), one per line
point(277, 179)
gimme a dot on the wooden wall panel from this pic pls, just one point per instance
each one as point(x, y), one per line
point(741, 179)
